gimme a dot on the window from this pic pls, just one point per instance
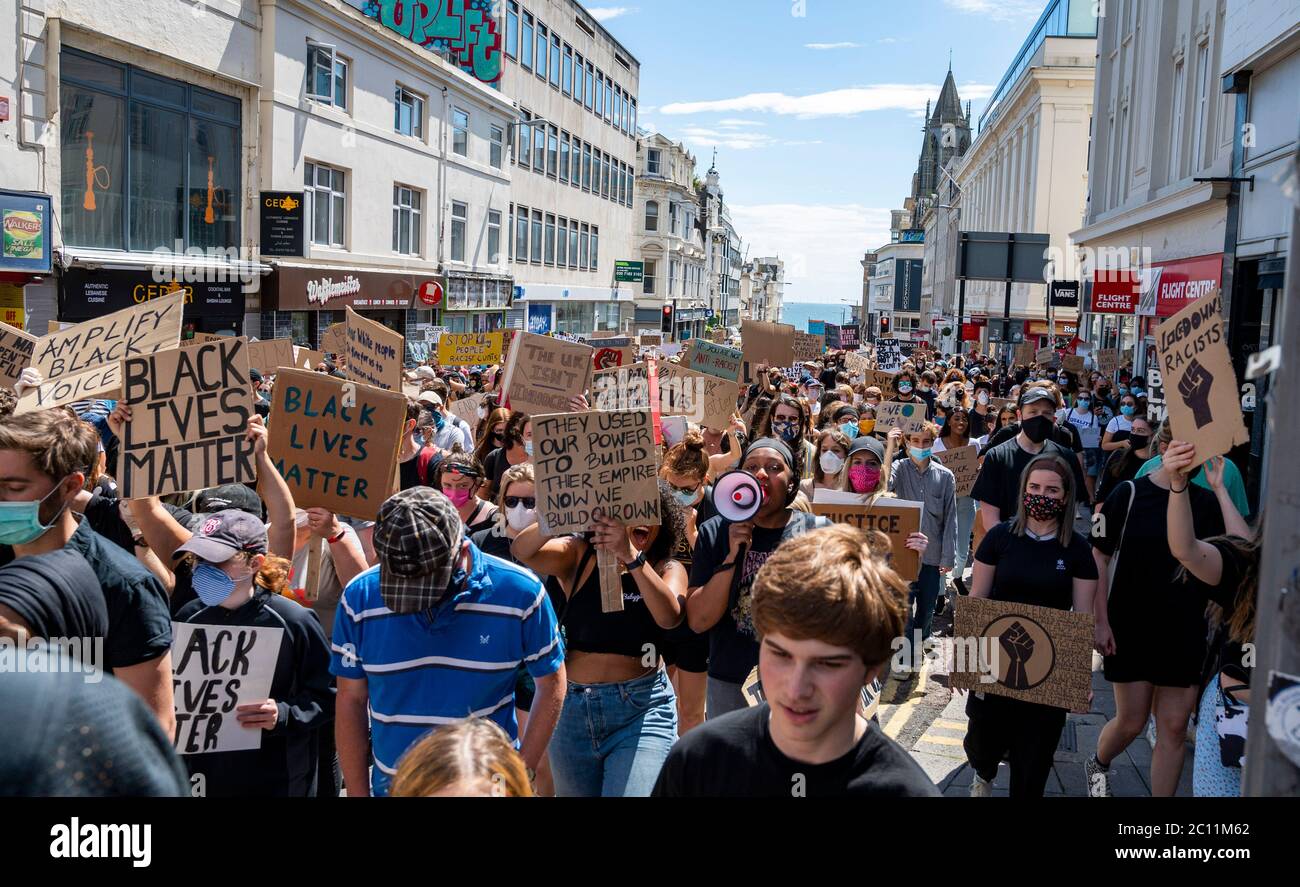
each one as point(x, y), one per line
point(564, 157)
point(497, 139)
point(408, 113)
point(595, 248)
point(541, 50)
point(648, 278)
point(1177, 116)
point(406, 220)
point(510, 241)
point(586, 167)
point(512, 30)
point(577, 78)
point(555, 61)
point(459, 222)
point(327, 76)
point(618, 107)
point(575, 174)
point(573, 244)
point(605, 171)
point(494, 236)
point(1202, 105)
point(632, 122)
point(609, 102)
point(526, 43)
point(326, 204)
point(567, 82)
point(672, 277)
point(460, 132)
point(584, 246)
point(550, 239)
point(672, 218)
point(521, 234)
point(539, 147)
point(600, 93)
point(590, 91)
point(653, 161)
point(652, 215)
point(525, 140)
point(535, 255)
point(562, 244)
point(552, 152)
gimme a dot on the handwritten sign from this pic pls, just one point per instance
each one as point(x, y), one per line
point(897, 520)
point(718, 335)
point(306, 359)
point(807, 346)
point(335, 442)
point(651, 340)
point(544, 373)
point(335, 339)
point(269, 355)
point(889, 355)
point(608, 357)
point(216, 669)
point(715, 360)
point(16, 349)
point(701, 398)
point(850, 335)
point(466, 408)
point(375, 353)
point(963, 462)
point(1107, 363)
point(201, 338)
point(881, 379)
point(595, 461)
point(469, 349)
point(1043, 356)
point(908, 416)
point(770, 343)
point(189, 411)
point(1200, 387)
point(1072, 363)
point(85, 360)
point(1025, 353)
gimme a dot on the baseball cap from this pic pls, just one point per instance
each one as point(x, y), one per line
point(867, 442)
point(426, 373)
point(418, 540)
point(430, 397)
point(237, 496)
point(1034, 394)
point(225, 534)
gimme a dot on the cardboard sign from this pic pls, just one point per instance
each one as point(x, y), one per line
point(963, 462)
point(609, 357)
point(718, 336)
point(544, 373)
point(200, 338)
point(335, 339)
point(622, 388)
point(595, 461)
point(889, 355)
point(857, 364)
point(807, 346)
point(1038, 654)
point(770, 343)
point(467, 408)
point(703, 399)
point(832, 333)
point(997, 403)
point(1200, 387)
point(1043, 356)
point(335, 442)
point(16, 349)
point(215, 669)
point(269, 355)
point(1025, 353)
point(85, 360)
point(189, 411)
point(1072, 363)
point(896, 518)
point(470, 349)
point(651, 340)
point(849, 336)
point(1107, 363)
point(715, 360)
point(908, 416)
point(375, 353)
point(881, 379)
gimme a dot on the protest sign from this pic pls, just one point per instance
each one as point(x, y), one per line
point(849, 336)
point(1025, 353)
point(1034, 654)
point(1107, 363)
point(997, 403)
point(200, 338)
point(832, 334)
point(701, 398)
point(269, 355)
point(908, 416)
point(334, 340)
point(807, 346)
point(1201, 392)
point(466, 408)
point(719, 335)
point(1043, 356)
point(856, 363)
point(715, 360)
point(608, 357)
point(375, 353)
point(189, 412)
point(651, 340)
point(896, 518)
point(217, 668)
point(963, 462)
point(889, 355)
point(305, 358)
point(16, 349)
point(770, 343)
point(335, 442)
point(544, 373)
point(1072, 363)
point(85, 360)
point(470, 349)
point(624, 387)
point(881, 379)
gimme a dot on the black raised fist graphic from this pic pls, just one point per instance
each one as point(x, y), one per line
point(1019, 646)
point(1194, 388)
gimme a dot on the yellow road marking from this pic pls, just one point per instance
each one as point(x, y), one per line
point(904, 709)
point(941, 740)
point(950, 725)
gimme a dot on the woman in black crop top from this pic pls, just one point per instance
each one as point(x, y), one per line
point(620, 715)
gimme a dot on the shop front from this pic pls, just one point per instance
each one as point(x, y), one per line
point(26, 255)
point(579, 310)
point(210, 307)
point(478, 303)
point(300, 302)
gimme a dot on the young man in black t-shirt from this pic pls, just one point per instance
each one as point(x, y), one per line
point(828, 611)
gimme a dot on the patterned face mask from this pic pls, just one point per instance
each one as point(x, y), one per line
point(1043, 507)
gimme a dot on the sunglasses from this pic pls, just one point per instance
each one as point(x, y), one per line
point(527, 501)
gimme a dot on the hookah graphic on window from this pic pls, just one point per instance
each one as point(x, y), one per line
point(208, 217)
point(93, 175)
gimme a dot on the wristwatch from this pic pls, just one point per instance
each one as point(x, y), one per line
point(638, 561)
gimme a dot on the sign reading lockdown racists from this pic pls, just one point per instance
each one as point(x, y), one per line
point(963, 462)
point(770, 343)
point(15, 354)
point(218, 668)
point(715, 360)
point(703, 399)
point(1200, 388)
point(189, 412)
point(335, 442)
point(85, 360)
point(908, 416)
point(544, 373)
point(269, 355)
point(896, 518)
point(595, 462)
point(470, 349)
point(375, 353)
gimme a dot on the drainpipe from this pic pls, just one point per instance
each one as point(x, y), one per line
point(442, 180)
point(1238, 85)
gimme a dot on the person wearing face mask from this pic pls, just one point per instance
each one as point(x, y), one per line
point(1117, 431)
point(865, 473)
point(926, 391)
point(491, 434)
point(981, 414)
point(1085, 419)
point(1037, 559)
point(449, 431)
point(832, 454)
point(516, 447)
point(954, 435)
point(459, 477)
point(417, 457)
point(419, 640)
point(788, 422)
point(905, 392)
point(1123, 464)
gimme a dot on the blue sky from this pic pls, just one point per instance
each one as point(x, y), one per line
point(816, 116)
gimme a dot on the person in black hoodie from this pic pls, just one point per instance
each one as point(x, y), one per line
point(239, 584)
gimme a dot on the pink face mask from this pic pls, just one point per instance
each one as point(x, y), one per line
point(457, 497)
point(863, 478)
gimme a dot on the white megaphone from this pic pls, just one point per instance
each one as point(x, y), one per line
point(737, 496)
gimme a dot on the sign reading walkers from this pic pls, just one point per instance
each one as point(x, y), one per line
point(217, 669)
point(375, 353)
point(896, 518)
point(189, 411)
point(85, 360)
point(15, 354)
point(335, 442)
point(543, 374)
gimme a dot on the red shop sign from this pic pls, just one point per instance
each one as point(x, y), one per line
point(1179, 283)
point(431, 292)
point(1115, 292)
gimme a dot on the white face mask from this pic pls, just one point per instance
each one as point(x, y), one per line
point(520, 518)
point(831, 462)
point(482, 413)
point(982, 397)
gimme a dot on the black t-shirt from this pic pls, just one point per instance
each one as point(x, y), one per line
point(998, 481)
point(1033, 571)
point(56, 594)
point(734, 756)
point(1066, 435)
point(106, 519)
point(495, 466)
point(1228, 654)
point(733, 644)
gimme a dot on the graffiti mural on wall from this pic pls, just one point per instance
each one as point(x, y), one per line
point(462, 30)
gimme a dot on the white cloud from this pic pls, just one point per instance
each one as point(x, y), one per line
point(999, 10)
point(739, 140)
point(823, 46)
point(888, 40)
point(835, 103)
point(605, 13)
point(734, 123)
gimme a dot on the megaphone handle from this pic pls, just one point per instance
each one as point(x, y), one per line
point(735, 571)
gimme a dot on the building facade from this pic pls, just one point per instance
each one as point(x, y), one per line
point(670, 241)
point(762, 289)
point(896, 290)
point(723, 250)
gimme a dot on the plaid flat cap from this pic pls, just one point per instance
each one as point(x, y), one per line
point(418, 539)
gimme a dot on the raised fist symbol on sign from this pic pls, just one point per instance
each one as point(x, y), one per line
point(1194, 388)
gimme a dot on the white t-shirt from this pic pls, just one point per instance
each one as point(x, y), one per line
point(1088, 425)
point(1118, 424)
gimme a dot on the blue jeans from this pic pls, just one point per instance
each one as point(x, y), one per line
point(965, 524)
point(612, 739)
point(925, 591)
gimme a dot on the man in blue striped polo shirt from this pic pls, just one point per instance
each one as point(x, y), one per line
point(434, 634)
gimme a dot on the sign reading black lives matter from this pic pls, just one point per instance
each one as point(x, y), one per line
point(595, 461)
point(189, 414)
point(218, 668)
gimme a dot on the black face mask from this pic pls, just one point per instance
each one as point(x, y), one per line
point(1037, 428)
point(1139, 441)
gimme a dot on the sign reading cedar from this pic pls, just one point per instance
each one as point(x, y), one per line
point(703, 399)
point(216, 669)
point(470, 349)
point(808, 347)
point(908, 416)
point(1035, 654)
point(715, 360)
point(963, 462)
point(896, 518)
point(269, 355)
point(189, 413)
point(544, 373)
point(770, 343)
point(335, 442)
point(1200, 387)
point(15, 354)
point(375, 353)
point(85, 360)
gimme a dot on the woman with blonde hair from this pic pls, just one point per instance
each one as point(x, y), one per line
point(471, 758)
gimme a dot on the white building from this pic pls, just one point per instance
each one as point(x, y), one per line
point(575, 89)
point(762, 289)
point(723, 247)
point(670, 239)
point(895, 299)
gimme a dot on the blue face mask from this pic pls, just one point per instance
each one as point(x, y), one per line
point(1127, 410)
point(789, 431)
point(438, 421)
point(20, 522)
point(211, 584)
point(850, 430)
point(685, 499)
point(1084, 403)
point(528, 448)
point(939, 420)
point(919, 454)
